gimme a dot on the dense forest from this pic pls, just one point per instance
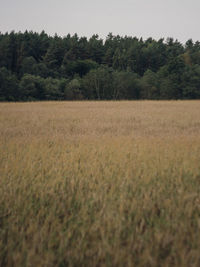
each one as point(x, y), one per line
point(35, 66)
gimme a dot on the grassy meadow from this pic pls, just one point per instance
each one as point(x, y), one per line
point(100, 183)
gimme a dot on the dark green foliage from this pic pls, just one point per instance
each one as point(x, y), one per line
point(126, 85)
point(32, 87)
point(36, 66)
point(98, 83)
point(149, 85)
point(9, 90)
point(73, 90)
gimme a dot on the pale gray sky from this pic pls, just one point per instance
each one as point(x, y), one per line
point(179, 19)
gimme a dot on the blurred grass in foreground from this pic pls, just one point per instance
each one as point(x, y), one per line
point(100, 183)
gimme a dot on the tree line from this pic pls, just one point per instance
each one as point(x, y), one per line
point(35, 66)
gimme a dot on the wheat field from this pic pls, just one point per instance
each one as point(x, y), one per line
point(100, 183)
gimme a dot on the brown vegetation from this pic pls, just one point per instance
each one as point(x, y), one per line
point(100, 183)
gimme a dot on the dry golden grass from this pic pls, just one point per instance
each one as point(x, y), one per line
point(100, 183)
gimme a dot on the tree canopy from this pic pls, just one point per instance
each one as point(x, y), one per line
point(35, 66)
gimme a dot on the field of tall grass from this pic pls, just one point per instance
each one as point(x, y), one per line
point(100, 183)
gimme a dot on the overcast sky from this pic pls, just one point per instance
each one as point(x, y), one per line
point(179, 19)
